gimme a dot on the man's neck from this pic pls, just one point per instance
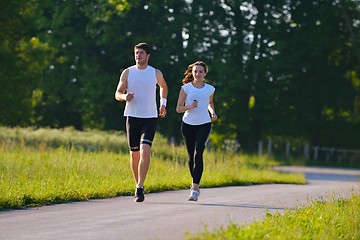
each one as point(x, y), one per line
point(141, 66)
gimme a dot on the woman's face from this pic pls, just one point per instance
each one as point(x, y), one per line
point(198, 72)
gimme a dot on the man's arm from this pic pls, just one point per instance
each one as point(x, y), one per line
point(120, 93)
point(163, 92)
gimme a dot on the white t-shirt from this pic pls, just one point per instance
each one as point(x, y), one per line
point(142, 82)
point(200, 114)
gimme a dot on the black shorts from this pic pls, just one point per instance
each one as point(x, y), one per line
point(140, 131)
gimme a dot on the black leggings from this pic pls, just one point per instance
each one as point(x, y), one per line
point(196, 137)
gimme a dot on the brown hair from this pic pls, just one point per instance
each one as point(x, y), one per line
point(143, 46)
point(188, 73)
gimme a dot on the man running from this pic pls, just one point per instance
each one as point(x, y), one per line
point(137, 86)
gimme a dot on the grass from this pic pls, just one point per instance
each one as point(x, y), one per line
point(31, 177)
point(93, 140)
point(322, 220)
point(47, 166)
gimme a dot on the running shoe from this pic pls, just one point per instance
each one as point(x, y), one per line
point(139, 195)
point(194, 195)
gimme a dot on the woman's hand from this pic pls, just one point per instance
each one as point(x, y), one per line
point(194, 104)
point(213, 116)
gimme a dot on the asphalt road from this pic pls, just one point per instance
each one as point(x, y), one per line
point(168, 215)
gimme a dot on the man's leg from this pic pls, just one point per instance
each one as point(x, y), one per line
point(144, 163)
point(147, 136)
point(134, 164)
point(143, 166)
point(133, 136)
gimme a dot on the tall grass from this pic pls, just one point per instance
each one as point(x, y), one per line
point(330, 220)
point(35, 171)
point(40, 176)
point(89, 140)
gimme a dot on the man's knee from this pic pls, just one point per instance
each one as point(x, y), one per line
point(145, 149)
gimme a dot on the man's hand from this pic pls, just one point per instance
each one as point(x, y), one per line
point(162, 111)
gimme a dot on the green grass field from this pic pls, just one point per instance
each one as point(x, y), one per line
point(337, 219)
point(46, 166)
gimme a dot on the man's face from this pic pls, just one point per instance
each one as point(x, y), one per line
point(140, 56)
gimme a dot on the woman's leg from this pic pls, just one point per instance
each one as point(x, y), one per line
point(189, 136)
point(202, 136)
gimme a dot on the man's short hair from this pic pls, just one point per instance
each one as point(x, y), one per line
point(143, 46)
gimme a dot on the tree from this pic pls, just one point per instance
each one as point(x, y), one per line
point(21, 62)
point(280, 68)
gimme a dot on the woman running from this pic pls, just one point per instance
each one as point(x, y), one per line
point(196, 102)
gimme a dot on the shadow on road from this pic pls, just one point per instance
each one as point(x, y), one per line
point(246, 206)
point(332, 177)
point(324, 173)
point(253, 206)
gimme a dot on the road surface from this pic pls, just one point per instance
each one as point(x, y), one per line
point(168, 215)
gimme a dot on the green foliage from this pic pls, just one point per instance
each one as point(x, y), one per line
point(61, 61)
point(15, 81)
point(337, 218)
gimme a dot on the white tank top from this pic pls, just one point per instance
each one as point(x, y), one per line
point(142, 82)
point(200, 114)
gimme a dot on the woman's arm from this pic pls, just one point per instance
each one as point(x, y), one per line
point(180, 107)
point(211, 108)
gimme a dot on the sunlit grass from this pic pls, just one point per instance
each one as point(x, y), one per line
point(322, 220)
point(37, 177)
point(90, 140)
point(34, 173)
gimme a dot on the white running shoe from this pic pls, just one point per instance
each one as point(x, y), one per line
point(194, 195)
